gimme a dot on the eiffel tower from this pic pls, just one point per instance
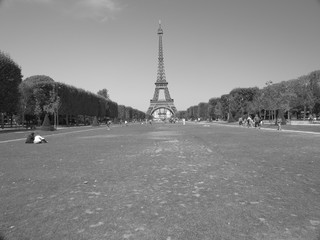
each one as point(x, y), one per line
point(161, 107)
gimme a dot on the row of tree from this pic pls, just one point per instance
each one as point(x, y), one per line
point(38, 96)
point(294, 99)
point(10, 79)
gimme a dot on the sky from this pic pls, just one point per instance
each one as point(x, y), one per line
point(210, 46)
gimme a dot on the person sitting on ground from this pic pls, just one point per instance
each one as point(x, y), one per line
point(30, 138)
point(39, 139)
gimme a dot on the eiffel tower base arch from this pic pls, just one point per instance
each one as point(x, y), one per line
point(161, 110)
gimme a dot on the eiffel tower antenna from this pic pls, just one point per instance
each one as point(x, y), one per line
point(164, 107)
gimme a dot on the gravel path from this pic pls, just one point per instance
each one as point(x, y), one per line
point(161, 181)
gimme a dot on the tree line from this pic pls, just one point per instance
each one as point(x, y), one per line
point(35, 97)
point(293, 99)
point(38, 96)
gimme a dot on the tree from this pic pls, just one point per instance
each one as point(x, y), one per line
point(181, 114)
point(128, 113)
point(192, 112)
point(315, 86)
point(52, 105)
point(292, 96)
point(104, 93)
point(211, 107)
point(257, 102)
point(284, 97)
point(224, 106)
point(10, 78)
point(36, 79)
point(35, 91)
point(121, 112)
point(240, 101)
point(203, 110)
point(218, 110)
point(268, 102)
point(112, 109)
point(304, 92)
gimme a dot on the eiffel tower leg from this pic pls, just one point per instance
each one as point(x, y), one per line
point(156, 94)
point(167, 94)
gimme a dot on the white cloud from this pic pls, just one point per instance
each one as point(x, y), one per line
point(106, 4)
point(100, 10)
point(30, 1)
point(10, 3)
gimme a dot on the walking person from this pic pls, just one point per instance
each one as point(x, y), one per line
point(279, 121)
point(256, 121)
point(244, 121)
point(249, 121)
point(108, 124)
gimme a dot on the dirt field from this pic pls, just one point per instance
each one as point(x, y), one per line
point(161, 181)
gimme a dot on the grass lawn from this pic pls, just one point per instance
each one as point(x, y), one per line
point(161, 181)
point(303, 128)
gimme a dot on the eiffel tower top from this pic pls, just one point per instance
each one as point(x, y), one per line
point(161, 76)
point(160, 31)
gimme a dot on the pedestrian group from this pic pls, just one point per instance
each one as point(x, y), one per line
point(256, 122)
